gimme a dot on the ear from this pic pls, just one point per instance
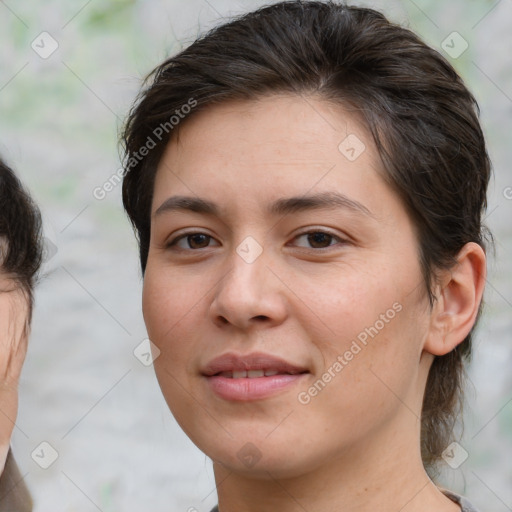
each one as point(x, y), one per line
point(459, 294)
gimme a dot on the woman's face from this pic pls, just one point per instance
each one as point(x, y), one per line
point(290, 310)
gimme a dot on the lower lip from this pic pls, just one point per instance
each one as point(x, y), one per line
point(246, 389)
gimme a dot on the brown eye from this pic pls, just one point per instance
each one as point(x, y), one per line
point(191, 241)
point(318, 240)
point(198, 241)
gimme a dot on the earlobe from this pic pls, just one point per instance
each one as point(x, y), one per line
point(459, 295)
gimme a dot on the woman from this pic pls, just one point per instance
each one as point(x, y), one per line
point(20, 258)
point(307, 184)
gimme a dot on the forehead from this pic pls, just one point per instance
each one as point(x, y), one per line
point(260, 149)
point(271, 125)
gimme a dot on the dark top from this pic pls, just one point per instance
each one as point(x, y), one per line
point(465, 505)
point(14, 495)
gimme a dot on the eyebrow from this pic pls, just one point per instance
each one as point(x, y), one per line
point(284, 206)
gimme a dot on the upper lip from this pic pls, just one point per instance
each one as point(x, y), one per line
point(256, 361)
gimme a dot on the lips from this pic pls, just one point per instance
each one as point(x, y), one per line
point(250, 366)
point(252, 377)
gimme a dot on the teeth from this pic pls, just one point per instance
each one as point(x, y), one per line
point(251, 374)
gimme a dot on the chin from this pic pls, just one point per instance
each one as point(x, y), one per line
point(258, 456)
point(278, 467)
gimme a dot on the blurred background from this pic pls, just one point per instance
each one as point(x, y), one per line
point(69, 72)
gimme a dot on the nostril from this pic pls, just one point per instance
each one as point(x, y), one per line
point(222, 320)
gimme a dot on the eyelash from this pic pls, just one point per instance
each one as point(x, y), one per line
point(174, 241)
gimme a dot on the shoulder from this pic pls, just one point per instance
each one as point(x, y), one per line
point(14, 495)
point(464, 503)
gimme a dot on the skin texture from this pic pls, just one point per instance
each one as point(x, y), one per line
point(13, 347)
point(355, 445)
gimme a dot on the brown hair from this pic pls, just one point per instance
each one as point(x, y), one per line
point(423, 120)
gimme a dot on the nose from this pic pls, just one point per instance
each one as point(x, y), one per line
point(249, 295)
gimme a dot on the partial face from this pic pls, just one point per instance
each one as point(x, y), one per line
point(14, 310)
point(290, 309)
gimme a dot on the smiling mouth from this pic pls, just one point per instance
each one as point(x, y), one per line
point(256, 376)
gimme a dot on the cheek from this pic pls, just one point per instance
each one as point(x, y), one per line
point(363, 383)
point(347, 304)
point(374, 328)
point(168, 310)
point(170, 315)
point(169, 300)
